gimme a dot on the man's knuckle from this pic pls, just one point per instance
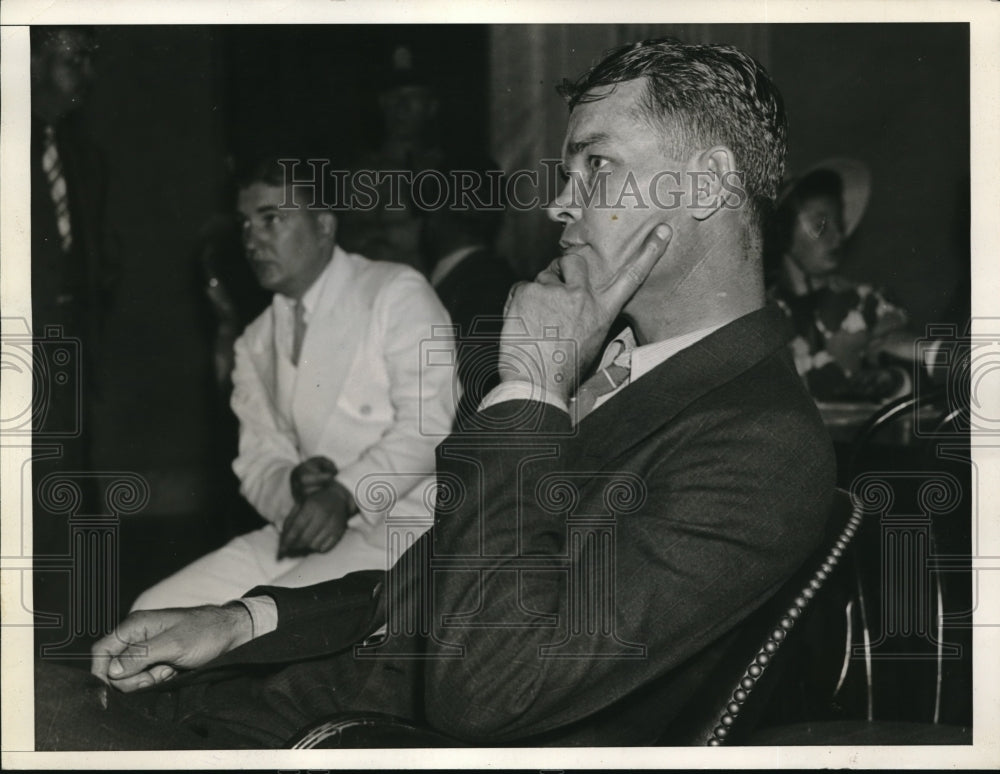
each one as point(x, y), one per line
point(634, 275)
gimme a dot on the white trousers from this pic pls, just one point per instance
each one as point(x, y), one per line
point(251, 560)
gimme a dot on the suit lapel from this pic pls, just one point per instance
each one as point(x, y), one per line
point(640, 410)
point(329, 347)
point(263, 356)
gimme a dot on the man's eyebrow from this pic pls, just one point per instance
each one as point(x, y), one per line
point(577, 147)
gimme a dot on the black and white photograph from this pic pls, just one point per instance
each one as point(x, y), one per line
point(516, 385)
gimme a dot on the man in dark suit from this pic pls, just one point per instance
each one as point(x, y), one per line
point(594, 542)
point(71, 283)
point(70, 272)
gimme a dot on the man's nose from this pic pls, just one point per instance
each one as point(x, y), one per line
point(564, 208)
point(251, 238)
point(835, 235)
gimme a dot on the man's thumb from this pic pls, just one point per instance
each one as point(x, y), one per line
point(134, 659)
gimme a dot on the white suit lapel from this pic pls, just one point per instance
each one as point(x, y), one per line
point(332, 338)
point(264, 358)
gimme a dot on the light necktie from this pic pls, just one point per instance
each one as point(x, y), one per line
point(52, 167)
point(604, 381)
point(298, 331)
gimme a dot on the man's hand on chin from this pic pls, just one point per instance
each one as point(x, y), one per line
point(152, 646)
point(554, 326)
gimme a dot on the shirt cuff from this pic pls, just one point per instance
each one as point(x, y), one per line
point(519, 390)
point(263, 613)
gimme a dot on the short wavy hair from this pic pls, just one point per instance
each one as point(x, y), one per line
point(702, 95)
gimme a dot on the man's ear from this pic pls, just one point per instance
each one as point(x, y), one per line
point(713, 177)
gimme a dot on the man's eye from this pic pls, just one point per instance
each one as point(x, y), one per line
point(595, 163)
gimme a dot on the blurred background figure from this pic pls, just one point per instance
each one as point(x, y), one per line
point(471, 279)
point(234, 297)
point(72, 274)
point(71, 270)
point(408, 103)
point(850, 340)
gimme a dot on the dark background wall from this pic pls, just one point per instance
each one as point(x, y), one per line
point(313, 87)
point(173, 104)
point(897, 98)
point(154, 111)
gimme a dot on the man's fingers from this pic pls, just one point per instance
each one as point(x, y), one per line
point(634, 272)
point(314, 479)
point(514, 290)
point(162, 672)
point(312, 475)
point(574, 270)
point(326, 464)
point(312, 483)
point(289, 531)
point(133, 683)
point(569, 269)
point(327, 543)
point(143, 679)
point(316, 523)
point(158, 673)
point(318, 465)
point(129, 639)
point(132, 660)
point(333, 531)
point(324, 540)
point(103, 651)
point(99, 663)
point(551, 274)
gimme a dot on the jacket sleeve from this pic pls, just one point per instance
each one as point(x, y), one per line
point(714, 534)
point(422, 395)
point(319, 620)
point(268, 449)
point(313, 621)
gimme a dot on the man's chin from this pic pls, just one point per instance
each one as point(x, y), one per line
point(268, 277)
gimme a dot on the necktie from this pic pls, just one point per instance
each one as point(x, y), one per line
point(52, 167)
point(298, 331)
point(606, 380)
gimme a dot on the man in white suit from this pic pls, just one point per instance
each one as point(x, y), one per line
point(334, 407)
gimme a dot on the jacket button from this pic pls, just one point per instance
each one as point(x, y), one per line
point(366, 410)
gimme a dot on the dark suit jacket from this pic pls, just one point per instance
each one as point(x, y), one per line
point(69, 292)
point(720, 475)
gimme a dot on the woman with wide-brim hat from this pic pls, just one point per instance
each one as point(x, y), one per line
point(842, 328)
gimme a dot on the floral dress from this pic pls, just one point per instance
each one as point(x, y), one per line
point(834, 329)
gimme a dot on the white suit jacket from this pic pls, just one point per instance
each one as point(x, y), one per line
point(361, 396)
